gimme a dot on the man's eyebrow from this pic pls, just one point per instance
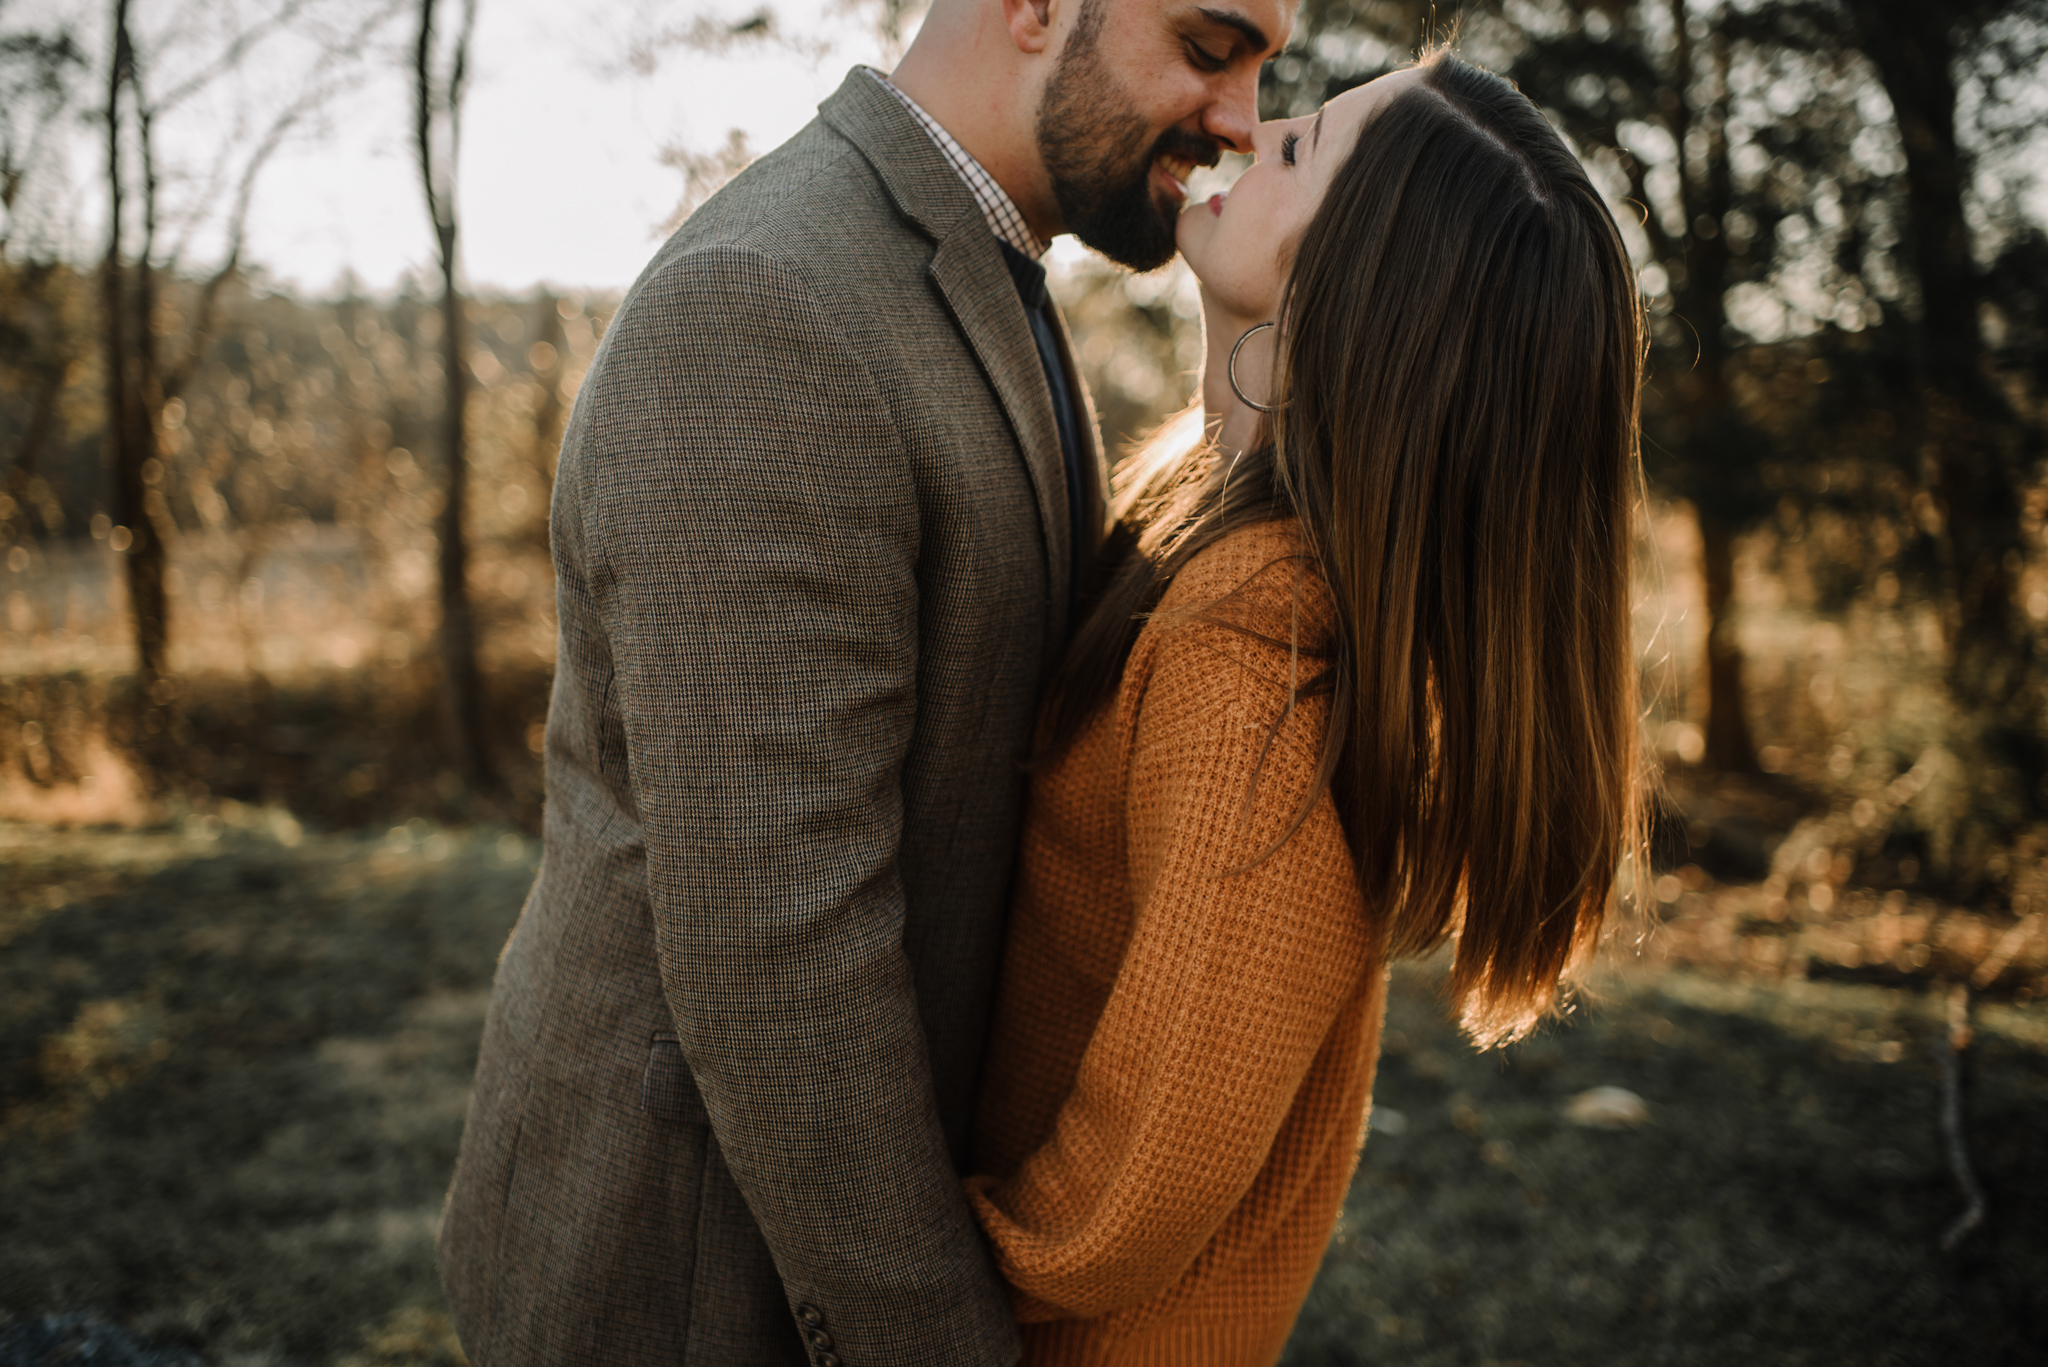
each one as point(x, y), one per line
point(1251, 32)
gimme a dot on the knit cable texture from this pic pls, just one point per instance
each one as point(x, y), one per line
point(1185, 1032)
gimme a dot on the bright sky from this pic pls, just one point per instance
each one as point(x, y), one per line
point(561, 178)
point(560, 173)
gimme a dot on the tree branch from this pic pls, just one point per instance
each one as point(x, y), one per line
point(423, 110)
point(231, 56)
point(324, 86)
point(458, 79)
point(201, 333)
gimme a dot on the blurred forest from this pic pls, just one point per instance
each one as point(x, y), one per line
point(280, 550)
point(276, 566)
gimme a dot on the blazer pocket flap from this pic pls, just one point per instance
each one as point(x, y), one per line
point(667, 1091)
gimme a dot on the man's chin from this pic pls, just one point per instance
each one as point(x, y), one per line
point(1149, 257)
point(1144, 250)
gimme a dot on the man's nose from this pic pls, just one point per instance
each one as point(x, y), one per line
point(1232, 115)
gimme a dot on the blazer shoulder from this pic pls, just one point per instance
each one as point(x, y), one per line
point(802, 232)
point(815, 200)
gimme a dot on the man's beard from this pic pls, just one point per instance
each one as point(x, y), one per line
point(1090, 137)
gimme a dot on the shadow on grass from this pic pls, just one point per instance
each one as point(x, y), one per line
point(1783, 1205)
point(233, 1064)
point(233, 1073)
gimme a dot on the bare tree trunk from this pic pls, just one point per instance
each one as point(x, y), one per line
point(147, 596)
point(139, 376)
point(1729, 745)
point(461, 684)
point(1715, 438)
point(149, 381)
point(113, 313)
point(437, 108)
point(127, 446)
point(129, 443)
point(1969, 431)
point(1968, 424)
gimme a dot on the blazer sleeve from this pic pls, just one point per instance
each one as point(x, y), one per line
point(1230, 984)
point(757, 528)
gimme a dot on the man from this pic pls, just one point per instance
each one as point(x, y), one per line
point(822, 509)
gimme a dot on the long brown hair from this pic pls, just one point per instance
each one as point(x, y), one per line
point(1460, 358)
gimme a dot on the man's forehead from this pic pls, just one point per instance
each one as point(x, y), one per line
point(1265, 25)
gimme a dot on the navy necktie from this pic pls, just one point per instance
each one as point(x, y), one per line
point(1030, 278)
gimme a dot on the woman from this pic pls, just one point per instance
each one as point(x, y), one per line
point(1382, 696)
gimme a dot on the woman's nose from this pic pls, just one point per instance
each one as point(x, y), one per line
point(1267, 136)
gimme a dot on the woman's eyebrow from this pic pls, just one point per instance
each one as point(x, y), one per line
point(1315, 134)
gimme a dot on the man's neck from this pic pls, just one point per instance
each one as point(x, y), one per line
point(975, 92)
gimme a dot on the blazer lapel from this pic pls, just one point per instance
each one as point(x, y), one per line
point(969, 272)
point(1094, 466)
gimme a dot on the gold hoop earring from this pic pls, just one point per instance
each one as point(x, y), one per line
point(1230, 372)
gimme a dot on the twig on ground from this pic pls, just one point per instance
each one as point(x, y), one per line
point(1950, 1053)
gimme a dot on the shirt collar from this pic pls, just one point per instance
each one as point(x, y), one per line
point(1005, 220)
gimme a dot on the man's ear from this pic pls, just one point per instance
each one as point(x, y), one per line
point(1030, 24)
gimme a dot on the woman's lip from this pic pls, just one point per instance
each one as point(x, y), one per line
point(1216, 204)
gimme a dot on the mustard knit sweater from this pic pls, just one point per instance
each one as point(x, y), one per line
point(1183, 1046)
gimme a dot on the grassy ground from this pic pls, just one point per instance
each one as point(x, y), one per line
point(234, 1057)
point(234, 1067)
point(1783, 1204)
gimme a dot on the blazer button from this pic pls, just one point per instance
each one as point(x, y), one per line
point(809, 1315)
point(820, 1340)
point(828, 1360)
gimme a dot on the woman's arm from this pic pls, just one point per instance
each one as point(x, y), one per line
point(1229, 986)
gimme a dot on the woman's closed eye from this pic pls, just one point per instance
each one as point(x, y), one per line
point(1287, 145)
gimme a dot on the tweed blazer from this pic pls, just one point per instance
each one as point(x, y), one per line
point(810, 532)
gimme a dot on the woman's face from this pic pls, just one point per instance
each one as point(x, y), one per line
point(1240, 244)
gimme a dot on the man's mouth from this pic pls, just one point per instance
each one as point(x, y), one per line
point(1177, 169)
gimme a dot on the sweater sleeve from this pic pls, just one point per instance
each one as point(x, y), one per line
point(1233, 977)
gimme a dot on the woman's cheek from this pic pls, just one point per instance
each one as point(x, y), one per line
point(1255, 264)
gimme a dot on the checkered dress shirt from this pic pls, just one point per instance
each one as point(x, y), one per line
point(1004, 218)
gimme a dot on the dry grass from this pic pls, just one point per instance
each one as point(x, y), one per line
point(234, 1057)
point(1782, 1205)
point(233, 1061)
